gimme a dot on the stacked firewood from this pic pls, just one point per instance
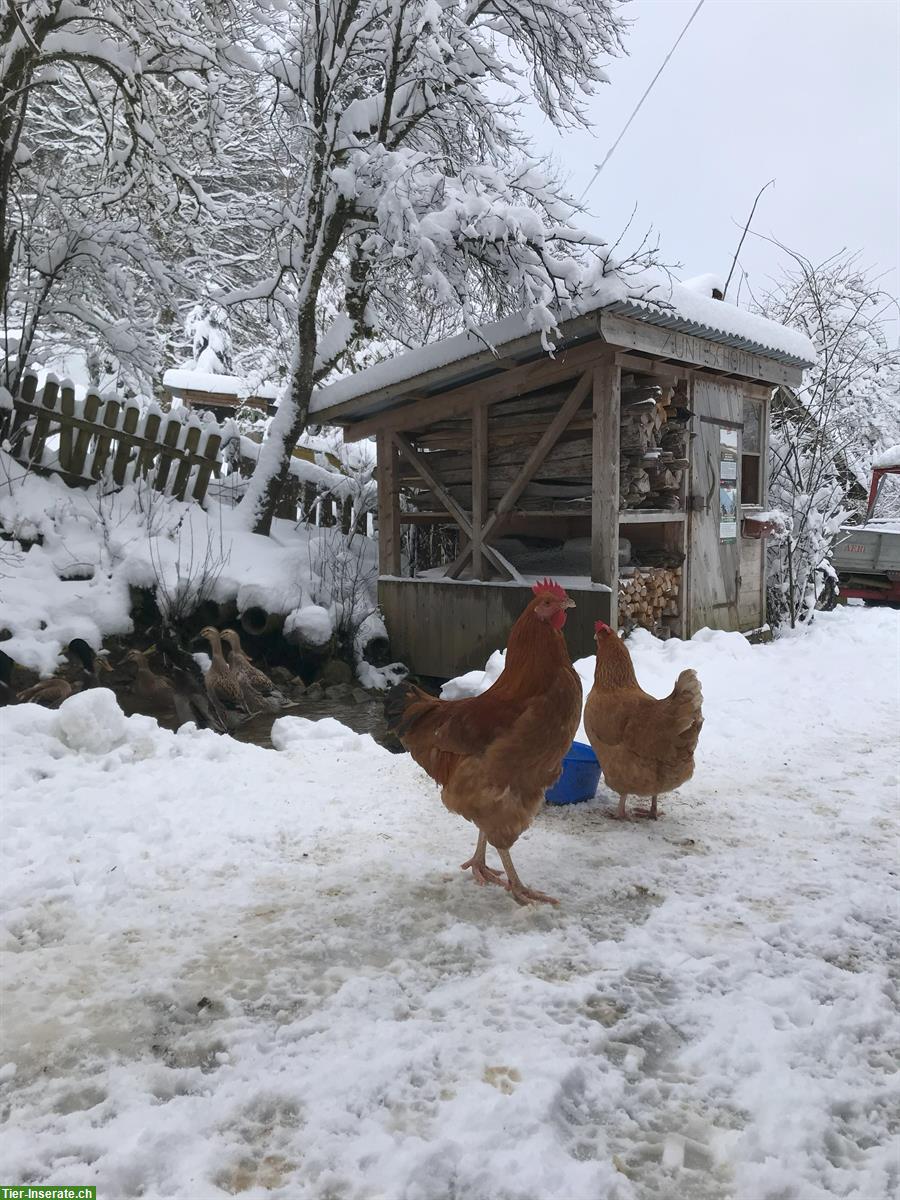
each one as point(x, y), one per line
point(647, 595)
point(653, 444)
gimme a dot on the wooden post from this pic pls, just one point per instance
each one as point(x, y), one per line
point(104, 441)
point(27, 393)
point(210, 462)
point(388, 506)
point(89, 413)
point(169, 443)
point(605, 483)
point(129, 424)
point(479, 484)
point(183, 471)
point(42, 422)
point(147, 454)
point(66, 430)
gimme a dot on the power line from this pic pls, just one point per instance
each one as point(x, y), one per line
point(637, 109)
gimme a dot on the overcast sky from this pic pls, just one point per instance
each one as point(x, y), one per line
point(805, 91)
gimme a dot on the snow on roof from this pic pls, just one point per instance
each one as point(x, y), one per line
point(178, 379)
point(704, 284)
point(887, 458)
point(673, 303)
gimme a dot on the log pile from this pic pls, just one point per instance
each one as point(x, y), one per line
point(653, 443)
point(647, 595)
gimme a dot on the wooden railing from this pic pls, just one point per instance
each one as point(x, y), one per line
point(110, 439)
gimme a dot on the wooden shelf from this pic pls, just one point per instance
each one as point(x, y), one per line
point(649, 517)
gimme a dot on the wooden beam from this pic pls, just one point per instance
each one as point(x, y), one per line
point(501, 386)
point(539, 453)
point(388, 507)
point(526, 348)
point(605, 483)
point(460, 516)
point(694, 351)
point(479, 484)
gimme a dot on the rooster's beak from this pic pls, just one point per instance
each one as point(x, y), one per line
point(570, 603)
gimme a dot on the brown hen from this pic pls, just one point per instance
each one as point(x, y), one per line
point(645, 746)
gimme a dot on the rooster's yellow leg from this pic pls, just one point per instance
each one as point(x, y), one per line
point(517, 889)
point(481, 872)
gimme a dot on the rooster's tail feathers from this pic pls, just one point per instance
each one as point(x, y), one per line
point(403, 705)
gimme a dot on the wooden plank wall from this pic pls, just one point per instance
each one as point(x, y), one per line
point(445, 628)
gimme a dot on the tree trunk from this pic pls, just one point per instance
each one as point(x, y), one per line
point(288, 424)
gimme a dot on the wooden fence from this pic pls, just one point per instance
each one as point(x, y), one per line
point(87, 440)
point(107, 438)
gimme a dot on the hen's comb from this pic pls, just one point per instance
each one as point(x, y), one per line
point(601, 627)
point(548, 585)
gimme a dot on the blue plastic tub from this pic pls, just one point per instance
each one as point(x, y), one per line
point(579, 779)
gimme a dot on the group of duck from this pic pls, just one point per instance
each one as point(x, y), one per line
point(230, 691)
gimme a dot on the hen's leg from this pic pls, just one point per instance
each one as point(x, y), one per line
point(620, 814)
point(650, 812)
point(517, 889)
point(481, 872)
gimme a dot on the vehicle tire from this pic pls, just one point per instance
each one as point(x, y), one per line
point(828, 597)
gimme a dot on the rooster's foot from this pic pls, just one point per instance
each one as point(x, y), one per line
point(517, 889)
point(483, 874)
point(526, 895)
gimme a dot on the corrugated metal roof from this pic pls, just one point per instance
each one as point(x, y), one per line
point(652, 315)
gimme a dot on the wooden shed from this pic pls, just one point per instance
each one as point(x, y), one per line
point(630, 465)
point(221, 395)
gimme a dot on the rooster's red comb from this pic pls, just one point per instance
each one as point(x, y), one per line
point(548, 585)
point(601, 627)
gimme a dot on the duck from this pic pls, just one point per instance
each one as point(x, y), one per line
point(241, 665)
point(91, 662)
point(50, 693)
point(157, 697)
point(223, 685)
point(154, 694)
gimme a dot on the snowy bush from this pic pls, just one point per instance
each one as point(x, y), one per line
point(825, 434)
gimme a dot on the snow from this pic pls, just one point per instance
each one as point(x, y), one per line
point(888, 458)
point(312, 622)
point(232, 970)
point(681, 300)
point(704, 285)
point(136, 537)
point(178, 379)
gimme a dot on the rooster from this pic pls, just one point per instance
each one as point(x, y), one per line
point(494, 755)
point(644, 745)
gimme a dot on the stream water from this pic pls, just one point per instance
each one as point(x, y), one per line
point(364, 717)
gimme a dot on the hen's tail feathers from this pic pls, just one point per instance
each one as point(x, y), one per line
point(687, 701)
point(403, 705)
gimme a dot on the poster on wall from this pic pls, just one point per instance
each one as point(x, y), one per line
point(728, 475)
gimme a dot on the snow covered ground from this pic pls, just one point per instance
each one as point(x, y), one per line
point(230, 970)
point(93, 545)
